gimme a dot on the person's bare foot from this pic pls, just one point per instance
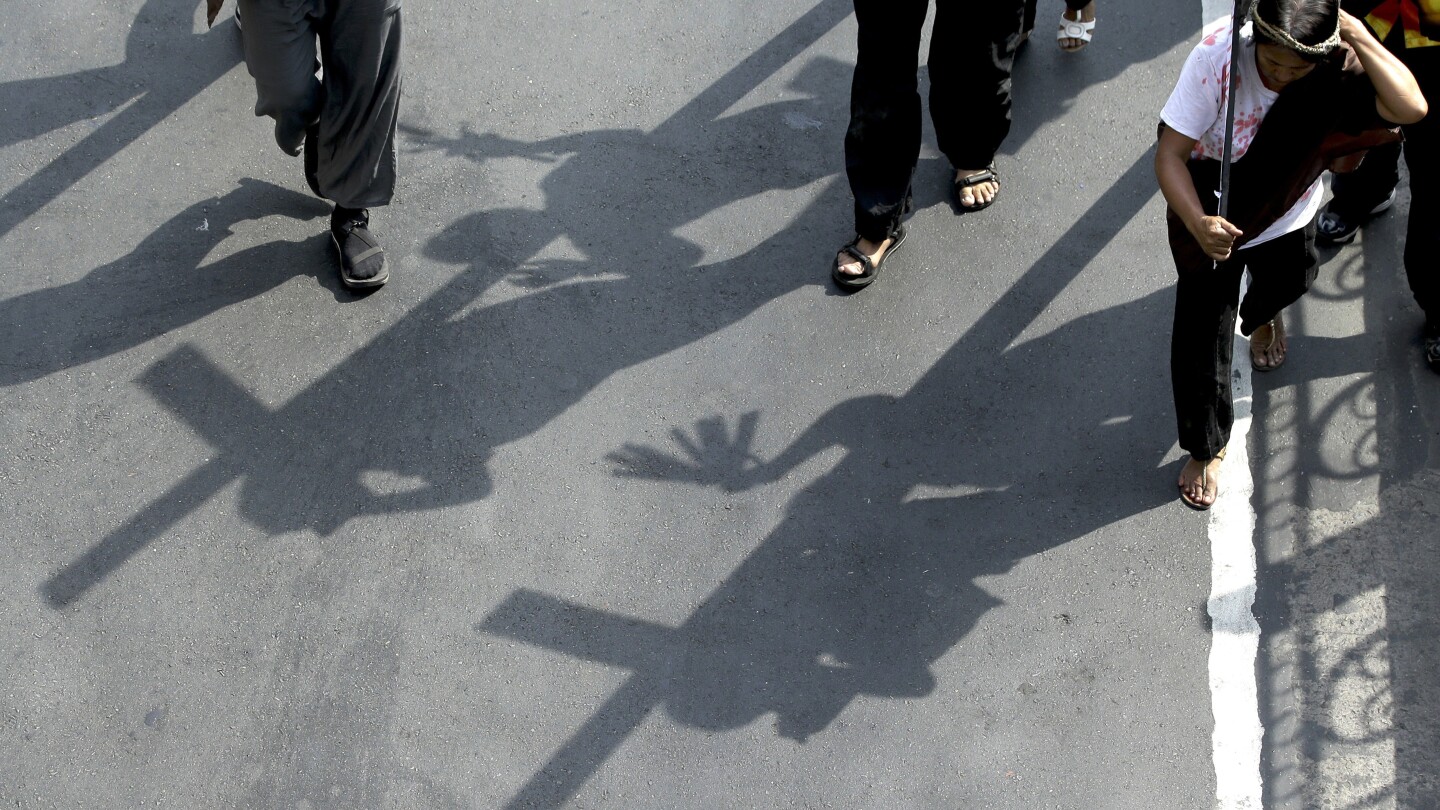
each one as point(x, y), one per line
point(1199, 483)
point(848, 265)
point(1084, 15)
point(978, 195)
point(1267, 345)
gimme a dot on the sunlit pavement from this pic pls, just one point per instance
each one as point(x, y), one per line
point(608, 498)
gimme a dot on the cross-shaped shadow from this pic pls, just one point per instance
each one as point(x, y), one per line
point(429, 400)
point(867, 582)
point(423, 405)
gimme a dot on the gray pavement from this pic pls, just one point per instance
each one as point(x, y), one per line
point(608, 499)
point(1346, 497)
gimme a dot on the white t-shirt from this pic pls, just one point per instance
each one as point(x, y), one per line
point(1196, 109)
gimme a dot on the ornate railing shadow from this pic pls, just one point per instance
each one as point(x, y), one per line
point(1350, 665)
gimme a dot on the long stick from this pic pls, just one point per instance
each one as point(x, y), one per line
point(1236, 20)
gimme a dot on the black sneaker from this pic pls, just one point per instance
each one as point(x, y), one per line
point(362, 260)
point(1334, 229)
point(1432, 347)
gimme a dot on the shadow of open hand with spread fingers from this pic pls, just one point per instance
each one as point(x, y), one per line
point(712, 457)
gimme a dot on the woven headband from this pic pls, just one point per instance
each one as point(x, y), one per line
point(1283, 38)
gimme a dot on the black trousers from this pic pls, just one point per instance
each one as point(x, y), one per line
point(1203, 337)
point(353, 112)
point(972, 49)
point(1358, 192)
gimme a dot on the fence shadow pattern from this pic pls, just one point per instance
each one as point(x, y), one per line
point(1347, 505)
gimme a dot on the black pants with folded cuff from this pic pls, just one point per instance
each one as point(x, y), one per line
point(1207, 298)
point(972, 49)
point(353, 110)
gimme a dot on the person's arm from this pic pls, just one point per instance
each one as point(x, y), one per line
point(1397, 96)
point(1215, 235)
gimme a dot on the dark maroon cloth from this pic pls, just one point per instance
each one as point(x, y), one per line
point(1316, 120)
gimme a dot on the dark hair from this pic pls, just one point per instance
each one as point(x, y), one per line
point(1308, 22)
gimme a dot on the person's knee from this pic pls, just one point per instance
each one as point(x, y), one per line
point(295, 107)
point(298, 97)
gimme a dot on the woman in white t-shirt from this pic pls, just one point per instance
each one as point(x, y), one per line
point(1313, 84)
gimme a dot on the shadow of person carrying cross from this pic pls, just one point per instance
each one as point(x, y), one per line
point(410, 421)
point(869, 579)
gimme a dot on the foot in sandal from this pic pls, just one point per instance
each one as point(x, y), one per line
point(1076, 28)
point(975, 189)
point(1199, 483)
point(859, 262)
point(1267, 345)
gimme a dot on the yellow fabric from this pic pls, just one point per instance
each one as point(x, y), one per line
point(1411, 15)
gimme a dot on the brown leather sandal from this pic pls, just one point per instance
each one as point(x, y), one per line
point(1277, 334)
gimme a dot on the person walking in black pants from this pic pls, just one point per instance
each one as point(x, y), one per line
point(1323, 88)
point(343, 120)
point(1370, 189)
point(972, 49)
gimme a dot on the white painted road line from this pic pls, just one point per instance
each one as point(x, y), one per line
point(1235, 634)
point(1235, 639)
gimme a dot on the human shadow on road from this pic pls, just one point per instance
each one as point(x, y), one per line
point(869, 579)
point(165, 66)
point(620, 197)
point(409, 422)
point(161, 285)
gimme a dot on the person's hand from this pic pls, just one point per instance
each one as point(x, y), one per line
point(1216, 236)
point(212, 8)
point(1351, 27)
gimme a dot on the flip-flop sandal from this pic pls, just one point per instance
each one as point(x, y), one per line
point(1075, 29)
point(985, 175)
point(1204, 485)
point(872, 268)
point(1274, 336)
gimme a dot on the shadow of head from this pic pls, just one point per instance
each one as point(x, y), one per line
point(614, 199)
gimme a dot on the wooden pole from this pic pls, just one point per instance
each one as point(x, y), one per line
point(1242, 7)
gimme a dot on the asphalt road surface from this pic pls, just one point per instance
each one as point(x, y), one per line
point(609, 500)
